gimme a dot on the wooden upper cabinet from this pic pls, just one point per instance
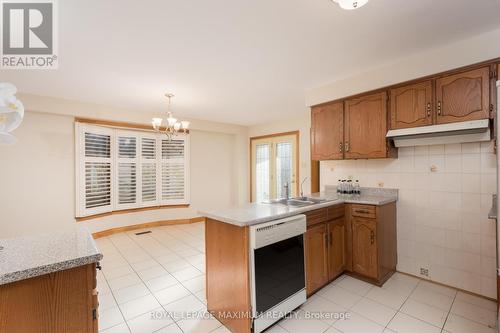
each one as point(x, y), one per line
point(411, 106)
point(316, 239)
point(463, 96)
point(364, 247)
point(366, 126)
point(327, 132)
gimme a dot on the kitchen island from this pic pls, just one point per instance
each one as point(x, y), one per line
point(48, 282)
point(342, 234)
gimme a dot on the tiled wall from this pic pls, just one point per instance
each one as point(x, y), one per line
point(443, 220)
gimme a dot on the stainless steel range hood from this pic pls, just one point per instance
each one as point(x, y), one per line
point(467, 131)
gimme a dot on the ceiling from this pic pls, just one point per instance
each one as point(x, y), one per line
point(236, 61)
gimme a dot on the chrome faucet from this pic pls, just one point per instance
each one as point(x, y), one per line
point(287, 191)
point(302, 187)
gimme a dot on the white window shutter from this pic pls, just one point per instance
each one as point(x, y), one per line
point(94, 171)
point(120, 169)
point(149, 170)
point(127, 186)
point(175, 170)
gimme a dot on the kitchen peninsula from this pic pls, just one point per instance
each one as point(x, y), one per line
point(273, 255)
point(48, 282)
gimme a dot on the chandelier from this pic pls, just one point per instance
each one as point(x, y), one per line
point(174, 126)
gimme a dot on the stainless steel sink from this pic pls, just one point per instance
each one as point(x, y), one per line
point(297, 202)
point(307, 199)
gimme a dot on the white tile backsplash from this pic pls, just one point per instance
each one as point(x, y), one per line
point(442, 214)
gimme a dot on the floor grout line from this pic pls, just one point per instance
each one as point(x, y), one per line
point(161, 305)
point(448, 314)
point(147, 252)
point(114, 297)
point(181, 238)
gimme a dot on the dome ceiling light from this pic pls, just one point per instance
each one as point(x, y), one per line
point(351, 4)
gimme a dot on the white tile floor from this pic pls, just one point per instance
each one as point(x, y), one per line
point(145, 277)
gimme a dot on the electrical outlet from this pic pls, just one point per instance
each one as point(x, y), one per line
point(424, 271)
point(380, 184)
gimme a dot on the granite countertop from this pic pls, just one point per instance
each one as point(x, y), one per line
point(29, 256)
point(256, 213)
point(493, 211)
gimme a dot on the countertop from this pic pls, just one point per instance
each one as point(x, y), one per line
point(493, 211)
point(29, 256)
point(256, 213)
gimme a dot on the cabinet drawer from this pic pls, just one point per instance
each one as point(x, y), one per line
point(364, 211)
point(335, 212)
point(316, 216)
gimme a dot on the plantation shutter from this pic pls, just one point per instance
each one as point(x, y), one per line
point(95, 173)
point(123, 169)
point(174, 167)
point(126, 164)
point(149, 170)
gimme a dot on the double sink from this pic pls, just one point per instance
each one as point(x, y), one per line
point(296, 202)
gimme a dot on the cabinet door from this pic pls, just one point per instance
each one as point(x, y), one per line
point(327, 132)
point(463, 96)
point(316, 258)
point(336, 248)
point(366, 126)
point(411, 106)
point(364, 247)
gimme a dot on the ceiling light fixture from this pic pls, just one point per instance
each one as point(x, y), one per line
point(11, 112)
point(351, 4)
point(173, 126)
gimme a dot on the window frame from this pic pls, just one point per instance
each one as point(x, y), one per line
point(115, 207)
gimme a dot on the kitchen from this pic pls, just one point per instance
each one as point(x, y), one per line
point(371, 209)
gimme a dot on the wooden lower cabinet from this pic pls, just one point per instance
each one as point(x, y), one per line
point(336, 248)
point(59, 302)
point(364, 247)
point(361, 242)
point(316, 252)
point(324, 247)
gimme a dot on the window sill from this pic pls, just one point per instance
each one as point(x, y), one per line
point(126, 211)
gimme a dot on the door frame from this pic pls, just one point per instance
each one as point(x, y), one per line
point(297, 156)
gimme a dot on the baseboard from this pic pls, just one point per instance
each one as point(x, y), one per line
point(117, 230)
point(445, 285)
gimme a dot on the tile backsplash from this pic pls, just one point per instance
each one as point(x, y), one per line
point(444, 199)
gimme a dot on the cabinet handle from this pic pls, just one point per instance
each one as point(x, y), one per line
point(362, 211)
point(347, 146)
point(98, 266)
point(340, 146)
point(372, 237)
point(439, 108)
point(428, 109)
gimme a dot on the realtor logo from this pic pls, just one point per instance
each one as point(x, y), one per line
point(28, 34)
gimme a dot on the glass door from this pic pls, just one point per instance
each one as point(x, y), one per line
point(274, 164)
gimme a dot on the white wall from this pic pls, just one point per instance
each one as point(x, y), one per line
point(301, 124)
point(37, 178)
point(443, 220)
point(466, 52)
